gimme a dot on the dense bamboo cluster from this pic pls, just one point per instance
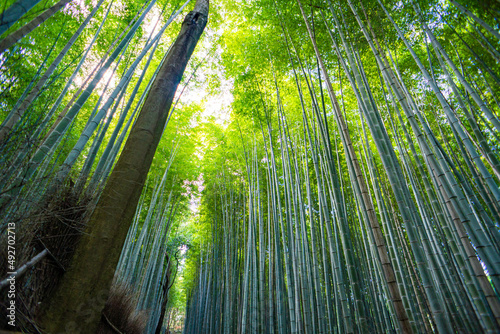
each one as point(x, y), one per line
point(354, 188)
point(377, 211)
point(62, 132)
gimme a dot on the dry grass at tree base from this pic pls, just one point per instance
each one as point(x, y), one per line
point(56, 226)
point(119, 314)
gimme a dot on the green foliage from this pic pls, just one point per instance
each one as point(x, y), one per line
point(262, 51)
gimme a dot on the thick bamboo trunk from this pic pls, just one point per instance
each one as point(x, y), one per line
point(12, 38)
point(12, 14)
point(77, 301)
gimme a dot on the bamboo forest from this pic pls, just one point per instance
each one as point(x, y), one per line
point(249, 166)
